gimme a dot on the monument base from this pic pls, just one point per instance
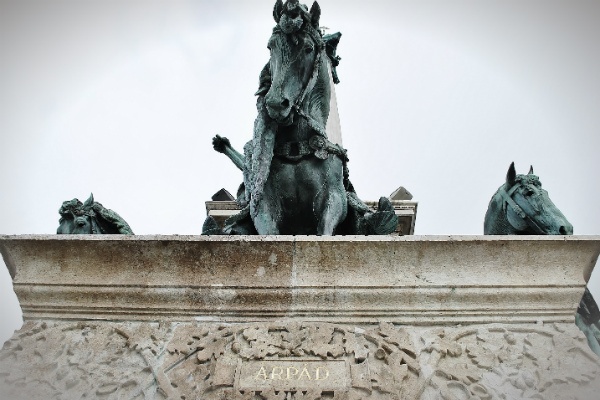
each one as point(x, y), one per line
point(156, 317)
point(290, 359)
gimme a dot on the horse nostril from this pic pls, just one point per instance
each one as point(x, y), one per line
point(562, 230)
point(285, 103)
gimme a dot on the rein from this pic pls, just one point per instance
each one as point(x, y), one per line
point(300, 100)
point(297, 106)
point(318, 145)
point(508, 201)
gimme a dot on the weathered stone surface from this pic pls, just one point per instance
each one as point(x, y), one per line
point(401, 194)
point(221, 210)
point(410, 279)
point(369, 317)
point(296, 360)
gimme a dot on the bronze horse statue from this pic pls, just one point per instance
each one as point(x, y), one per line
point(301, 194)
point(522, 207)
point(90, 217)
point(295, 180)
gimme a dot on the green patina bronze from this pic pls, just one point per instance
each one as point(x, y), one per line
point(522, 207)
point(90, 218)
point(295, 180)
point(588, 320)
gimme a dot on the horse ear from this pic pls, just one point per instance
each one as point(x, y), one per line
point(511, 175)
point(530, 170)
point(315, 15)
point(277, 10)
point(90, 201)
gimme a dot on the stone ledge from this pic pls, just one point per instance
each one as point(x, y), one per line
point(412, 279)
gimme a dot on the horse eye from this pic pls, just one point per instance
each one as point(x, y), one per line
point(528, 193)
point(308, 50)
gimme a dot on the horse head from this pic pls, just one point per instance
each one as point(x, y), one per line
point(297, 65)
point(77, 217)
point(521, 206)
point(90, 218)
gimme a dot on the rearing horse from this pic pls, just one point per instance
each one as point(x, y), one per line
point(295, 181)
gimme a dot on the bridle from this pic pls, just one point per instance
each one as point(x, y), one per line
point(509, 202)
point(297, 105)
point(317, 145)
point(80, 212)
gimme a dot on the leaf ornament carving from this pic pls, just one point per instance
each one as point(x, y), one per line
point(543, 362)
point(190, 360)
point(178, 360)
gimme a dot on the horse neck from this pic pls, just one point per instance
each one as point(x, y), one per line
point(315, 106)
point(317, 102)
point(496, 222)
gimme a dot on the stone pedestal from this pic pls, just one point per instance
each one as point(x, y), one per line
point(281, 317)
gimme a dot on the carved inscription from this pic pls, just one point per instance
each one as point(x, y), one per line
point(293, 375)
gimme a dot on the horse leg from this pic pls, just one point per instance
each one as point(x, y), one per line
point(334, 212)
point(265, 224)
point(266, 217)
point(332, 200)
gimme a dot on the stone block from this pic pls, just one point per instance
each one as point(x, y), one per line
point(302, 317)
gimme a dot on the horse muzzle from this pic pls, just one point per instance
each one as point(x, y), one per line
point(568, 229)
point(565, 229)
point(559, 226)
point(279, 110)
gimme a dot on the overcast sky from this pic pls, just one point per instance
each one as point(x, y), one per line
point(122, 98)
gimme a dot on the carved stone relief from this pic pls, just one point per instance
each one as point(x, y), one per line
point(292, 360)
point(512, 362)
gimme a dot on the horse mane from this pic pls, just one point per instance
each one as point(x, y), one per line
point(495, 220)
point(528, 179)
point(328, 42)
point(105, 220)
point(110, 222)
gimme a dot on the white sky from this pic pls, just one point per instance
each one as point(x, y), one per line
point(122, 98)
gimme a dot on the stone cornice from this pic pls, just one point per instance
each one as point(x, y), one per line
point(410, 279)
